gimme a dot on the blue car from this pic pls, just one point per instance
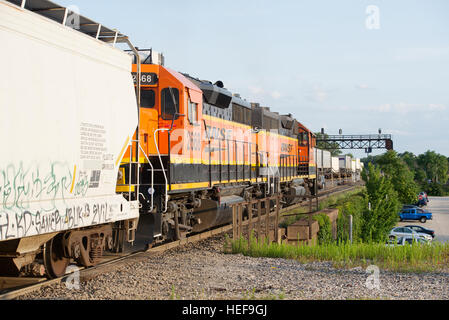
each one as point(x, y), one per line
point(415, 214)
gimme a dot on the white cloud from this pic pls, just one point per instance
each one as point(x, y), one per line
point(405, 108)
point(419, 54)
point(262, 93)
point(256, 90)
point(437, 107)
point(397, 132)
point(362, 86)
point(317, 94)
point(276, 95)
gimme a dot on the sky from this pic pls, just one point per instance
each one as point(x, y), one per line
point(354, 65)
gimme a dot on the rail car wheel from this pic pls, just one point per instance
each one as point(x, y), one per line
point(54, 261)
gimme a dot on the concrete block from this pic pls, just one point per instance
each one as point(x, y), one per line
point(281, 235)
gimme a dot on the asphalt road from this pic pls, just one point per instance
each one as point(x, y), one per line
point(439, 206)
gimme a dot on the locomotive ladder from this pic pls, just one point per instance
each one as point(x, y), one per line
point(136, 164)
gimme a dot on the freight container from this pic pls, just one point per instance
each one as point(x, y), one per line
point(324, 159)
point(345, 163)
point(358, 164)
point(318, 155)
point(335, 165)
point(327, 160)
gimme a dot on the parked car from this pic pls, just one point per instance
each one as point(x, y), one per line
point(424, 195)
point(420, 229)
point(423, 200)
point(407, 232)
point(415, 214)
point(402, 241)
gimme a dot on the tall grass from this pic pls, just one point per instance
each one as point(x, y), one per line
point(408, 258)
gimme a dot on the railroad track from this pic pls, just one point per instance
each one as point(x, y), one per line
point(89, 273)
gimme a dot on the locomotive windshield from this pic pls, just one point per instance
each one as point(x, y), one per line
point(147, 99)
point(170, 103)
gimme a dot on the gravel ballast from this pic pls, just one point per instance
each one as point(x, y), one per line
point(202, 271)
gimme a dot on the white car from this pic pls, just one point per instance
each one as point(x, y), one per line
point(408, 233)
point(402, 241)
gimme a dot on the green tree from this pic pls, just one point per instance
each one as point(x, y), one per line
point(435, 165)
point(385, 205)
point(420, 176)
point(401, 176)
point(435, 189)
point(410, 159)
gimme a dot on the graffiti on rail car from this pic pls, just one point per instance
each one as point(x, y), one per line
point(30, 223)
point(34, 201)
point(19, 186)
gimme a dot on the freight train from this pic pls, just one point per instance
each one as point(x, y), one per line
point(337, 170)
point(105, 149)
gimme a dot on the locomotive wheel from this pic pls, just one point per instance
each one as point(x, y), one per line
point(54, 261)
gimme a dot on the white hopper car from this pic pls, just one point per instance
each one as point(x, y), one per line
point(68, 108)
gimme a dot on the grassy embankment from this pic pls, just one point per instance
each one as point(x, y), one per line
point(409, 258)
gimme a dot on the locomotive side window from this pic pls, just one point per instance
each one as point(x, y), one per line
point(304, 139)
point(147, 99)
point(248, 117)
point(169, 103)
point(193, 112)
point(237, 115)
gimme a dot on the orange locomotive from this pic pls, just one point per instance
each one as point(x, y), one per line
point(201, 148)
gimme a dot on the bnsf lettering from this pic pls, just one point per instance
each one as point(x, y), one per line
point(193, 142)
point(219, 133)
point(287, 148)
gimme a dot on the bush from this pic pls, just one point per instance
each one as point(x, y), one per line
point(325, 233)
point(435, 189)
point(385, 205)
point(354, 206)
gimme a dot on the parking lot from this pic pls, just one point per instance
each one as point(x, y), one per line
point(440, 223)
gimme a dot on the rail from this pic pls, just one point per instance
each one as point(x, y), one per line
point(87, 273)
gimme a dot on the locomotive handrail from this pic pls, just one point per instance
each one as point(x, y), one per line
point(162, 164)
point(152, 176)
point(137, 185)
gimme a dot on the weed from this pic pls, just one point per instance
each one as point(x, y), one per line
point(410, 258)
point(173, 295)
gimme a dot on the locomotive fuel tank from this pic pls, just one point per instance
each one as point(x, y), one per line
point(213, 213)
point(296, 191)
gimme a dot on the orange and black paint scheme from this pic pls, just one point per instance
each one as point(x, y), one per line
point(208, 149)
